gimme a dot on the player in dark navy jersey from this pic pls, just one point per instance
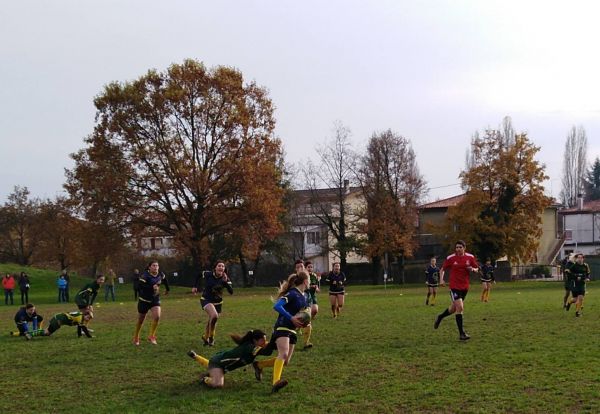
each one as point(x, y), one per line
point(487, 278)
point(149, 300)
point(337, 289)
point(290, 301)
point(432, 280)
point(212, 298)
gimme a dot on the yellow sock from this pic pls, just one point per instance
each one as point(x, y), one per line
point(138, 328)
point(201, 360)
point(432, 301)
point(153, 327)
point(208, 380)
point(487, 295)
point(307, 334)
point(15, 333)
point(578, 306)
point(277, 370)
point(266, 362)
point(211, 334)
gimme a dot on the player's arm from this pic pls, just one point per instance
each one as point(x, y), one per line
point(165, 281)
point(442, 272)
point(196, 286)
point(229, 286)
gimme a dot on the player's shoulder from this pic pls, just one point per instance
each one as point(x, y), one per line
point(469, 255)
point(450, 257)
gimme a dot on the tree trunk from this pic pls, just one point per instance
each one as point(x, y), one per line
point(244, 266)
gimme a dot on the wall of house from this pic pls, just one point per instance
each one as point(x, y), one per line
point(585, 227)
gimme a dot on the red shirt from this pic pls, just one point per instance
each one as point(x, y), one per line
point(459, 275)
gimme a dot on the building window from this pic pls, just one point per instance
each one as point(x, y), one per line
point(313, 237)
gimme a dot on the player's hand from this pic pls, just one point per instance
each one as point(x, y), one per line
point(442, 283)
point(194, 291)
point(297, 322)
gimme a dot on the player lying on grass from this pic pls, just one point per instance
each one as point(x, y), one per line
point(78, 319)
point(248, 347)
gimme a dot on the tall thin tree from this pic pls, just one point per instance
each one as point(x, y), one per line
point(574, 166)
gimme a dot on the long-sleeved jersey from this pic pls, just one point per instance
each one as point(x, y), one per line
point(577, 275)
point(213, 286)
point(149, 285)
point(87, 295)
point(336, 282)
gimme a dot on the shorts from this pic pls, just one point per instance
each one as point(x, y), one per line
point(432, 284)
point(218, 306)
point(337, 293)
point(456, 294)
point(486, 280)
point(283, 333)
point(144, 306)
point(54, 325)
point(576, 293)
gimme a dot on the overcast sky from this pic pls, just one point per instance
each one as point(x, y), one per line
point(432, 71)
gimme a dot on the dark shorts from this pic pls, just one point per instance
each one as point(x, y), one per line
point(54, 325)
point(144, 307)
point(458, 294)
point(576, 293)
point(486, 280)
point(432, 284)
point(283, 333)
point(337, 293)
point(218, 306)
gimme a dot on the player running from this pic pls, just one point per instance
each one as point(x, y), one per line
point(460, 265)
point(487, 278)
point(212, 298)
point(577, 275)
point(432, 279)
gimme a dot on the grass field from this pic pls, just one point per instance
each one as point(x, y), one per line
point(382, 356)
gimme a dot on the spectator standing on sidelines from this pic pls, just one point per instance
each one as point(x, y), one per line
point(8, 284)
point(135, 282)
point(24, 288)
point(109, 285)
point(68, 288)
point(62, 288)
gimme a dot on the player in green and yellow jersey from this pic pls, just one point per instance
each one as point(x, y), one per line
point(248, 347)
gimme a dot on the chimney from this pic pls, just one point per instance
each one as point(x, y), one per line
point(579, 202)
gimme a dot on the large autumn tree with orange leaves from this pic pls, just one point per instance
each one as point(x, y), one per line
point(189, 152)
point(501, 212)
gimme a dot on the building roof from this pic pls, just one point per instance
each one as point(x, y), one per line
point(444, 203)
point(588, 207)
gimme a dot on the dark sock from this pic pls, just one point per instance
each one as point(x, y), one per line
point(459, 323)
point(445, 313)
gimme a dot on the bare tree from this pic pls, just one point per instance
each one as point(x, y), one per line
point(328, 182)
point(574, 166)
point(393, 188)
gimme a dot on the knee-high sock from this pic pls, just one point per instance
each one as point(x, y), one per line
point(333, 309)
point(153, 327)
point(266, 362)
point(428, 295)
point(138, 328)
point(433, 295)
point(277, 369)
point(445, 313)
point(459, 322)
point(213, 329)
point(578, 306)
point(201, 360)
point(307, 334)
